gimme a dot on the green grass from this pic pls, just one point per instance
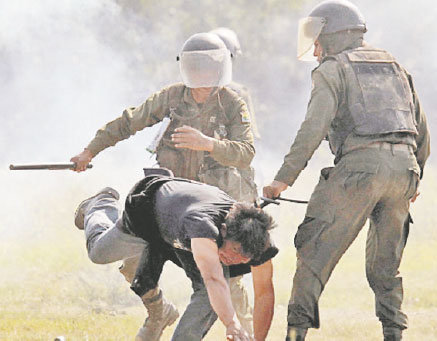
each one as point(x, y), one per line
point(43, 295)
point(48, 287)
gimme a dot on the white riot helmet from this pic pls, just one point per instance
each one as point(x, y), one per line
point(230, 39)
point(329, 17)
point(205, 62)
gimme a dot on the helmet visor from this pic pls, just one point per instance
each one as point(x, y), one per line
point(309, 31)
point(205, 69)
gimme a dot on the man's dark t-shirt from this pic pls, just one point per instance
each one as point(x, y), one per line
point(178, 210)
point(186, 210)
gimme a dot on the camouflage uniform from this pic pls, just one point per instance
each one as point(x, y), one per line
point(223, 116)
point(378, 162)
point(243, 92)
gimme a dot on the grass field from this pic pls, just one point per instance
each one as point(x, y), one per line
point(48, 287)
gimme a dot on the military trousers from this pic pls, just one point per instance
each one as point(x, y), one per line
point(367, 183)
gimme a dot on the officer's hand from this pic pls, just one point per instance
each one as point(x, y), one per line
point(274, 189)
point(82, 160)
point(190, 138)
point(235, 332)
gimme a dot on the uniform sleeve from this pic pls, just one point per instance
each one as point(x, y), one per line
point(253, 123)
point(237, 150)
point(321, 111)
point(131, 121)
point(423, 137)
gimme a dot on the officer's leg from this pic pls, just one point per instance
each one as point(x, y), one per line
point(337, 211)
point(385, 244)
point(199, 315)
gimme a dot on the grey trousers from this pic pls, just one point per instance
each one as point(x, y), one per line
point(107, 243)
point(370, 183)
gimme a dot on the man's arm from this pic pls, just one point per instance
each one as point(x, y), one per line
point(205, 253)
point(264, 299)
point(131, 121)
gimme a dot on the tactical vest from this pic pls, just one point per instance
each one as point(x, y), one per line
point(378, 97)
point(211, 120)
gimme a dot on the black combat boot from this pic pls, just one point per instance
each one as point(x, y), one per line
point(392, 333)
point(296, 334)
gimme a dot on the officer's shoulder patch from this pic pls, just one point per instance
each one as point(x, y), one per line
point(245, 117)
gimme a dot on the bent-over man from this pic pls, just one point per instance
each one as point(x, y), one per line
point(198, 227)
point(208, 139)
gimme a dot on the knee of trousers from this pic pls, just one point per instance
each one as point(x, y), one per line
point(97, 257)
point(382, 283)
point(96, 253)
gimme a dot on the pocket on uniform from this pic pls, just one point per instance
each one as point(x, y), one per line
point(227, 179)
point(336, 187)
point(413, 183)
point(320, 205)
point(359, 174)
point(249, 190)
point(170, 157)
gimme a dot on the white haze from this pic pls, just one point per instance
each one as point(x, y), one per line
point(67, 67)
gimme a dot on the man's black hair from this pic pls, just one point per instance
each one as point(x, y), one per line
point(249, 226)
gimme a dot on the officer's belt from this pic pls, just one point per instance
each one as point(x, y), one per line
point(393, 147)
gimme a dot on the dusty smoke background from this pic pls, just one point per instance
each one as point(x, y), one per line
point(67, 67)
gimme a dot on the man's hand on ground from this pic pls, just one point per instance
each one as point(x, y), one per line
point(235, 332)
point(82, 160)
